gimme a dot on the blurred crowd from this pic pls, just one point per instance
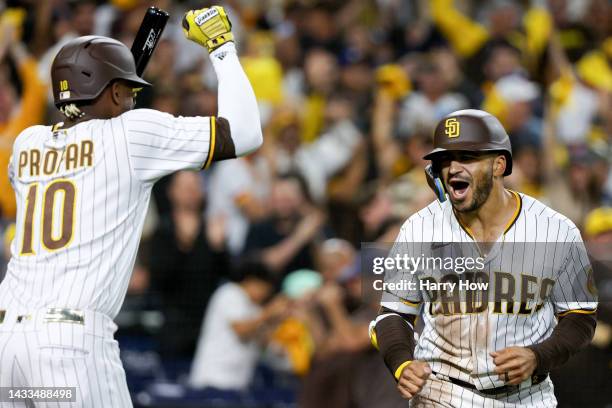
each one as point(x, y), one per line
point(256, 261)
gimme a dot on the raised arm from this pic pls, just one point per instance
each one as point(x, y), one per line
point(465, 36)
point(238, 128)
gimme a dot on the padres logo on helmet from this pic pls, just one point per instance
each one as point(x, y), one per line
point(452, 127)
point(480, 132)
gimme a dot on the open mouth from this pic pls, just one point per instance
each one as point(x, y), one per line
point(458, 188)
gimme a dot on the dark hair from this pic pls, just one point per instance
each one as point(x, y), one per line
point(253, 267)
point(301, 181)
point(500, 43)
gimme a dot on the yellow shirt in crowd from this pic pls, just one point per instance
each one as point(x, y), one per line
point(31, 112)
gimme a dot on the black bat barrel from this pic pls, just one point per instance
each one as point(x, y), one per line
point(148, 36)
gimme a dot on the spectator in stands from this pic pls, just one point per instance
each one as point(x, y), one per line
point(285, 239)
point(577, 190)
point(19, 108)
point(345, 370)
point(432, 100)
point(528, 177)
point(320, 158)
point(236, 324)
point(239, 192)
point(333, 256)
point(500, 59)
point(517, 97)
point(505, 27)
point(64, 23)
point(450, 69)
point(341, 192)
point(374, 210)
point(187, 261)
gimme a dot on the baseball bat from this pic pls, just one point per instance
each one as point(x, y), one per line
point(148, 37)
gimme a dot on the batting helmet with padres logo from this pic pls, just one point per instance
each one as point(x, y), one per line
point(471, 130)
point(468, 130)
point(85, 66)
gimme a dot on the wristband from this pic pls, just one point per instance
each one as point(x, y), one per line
point(398, 371)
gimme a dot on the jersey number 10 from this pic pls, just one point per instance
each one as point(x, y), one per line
point(63, 188)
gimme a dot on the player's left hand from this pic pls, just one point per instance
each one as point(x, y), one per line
point(209, 27)
point(514, 364)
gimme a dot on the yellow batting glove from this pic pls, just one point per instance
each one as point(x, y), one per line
point(208, 27)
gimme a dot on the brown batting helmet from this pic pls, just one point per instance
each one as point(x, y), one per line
point(471, 130)
point(85, 66)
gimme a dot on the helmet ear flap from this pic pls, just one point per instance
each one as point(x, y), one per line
point(435, 182)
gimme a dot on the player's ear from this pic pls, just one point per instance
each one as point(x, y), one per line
point(499, 165)
point(116, 92)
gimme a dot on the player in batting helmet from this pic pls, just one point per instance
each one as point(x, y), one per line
point(85, 66)
point(466, 134)
point(484, 220)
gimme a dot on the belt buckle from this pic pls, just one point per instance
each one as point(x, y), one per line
point(2, 315)
point(60, 315)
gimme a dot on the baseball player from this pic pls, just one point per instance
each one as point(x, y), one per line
point(537, 309)
point(82, 188)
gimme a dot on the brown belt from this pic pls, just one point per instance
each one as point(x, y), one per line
point(506, 389)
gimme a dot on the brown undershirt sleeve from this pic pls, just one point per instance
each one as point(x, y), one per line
point(573, 333)
point(395, 338)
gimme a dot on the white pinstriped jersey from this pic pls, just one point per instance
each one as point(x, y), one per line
point(458, 344)
point(82, 196)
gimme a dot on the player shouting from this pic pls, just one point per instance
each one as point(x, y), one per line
point(498, 351)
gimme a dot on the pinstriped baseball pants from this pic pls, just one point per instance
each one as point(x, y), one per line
point(34, 353)
point(439, 393)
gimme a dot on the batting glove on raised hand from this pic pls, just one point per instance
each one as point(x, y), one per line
point(209, 27)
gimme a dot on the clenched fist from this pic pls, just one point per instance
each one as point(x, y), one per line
point(209, 27)
point(412, 379)
point(514, 364)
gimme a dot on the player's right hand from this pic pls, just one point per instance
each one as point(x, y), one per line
point(209, 27)
point(413, 378)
